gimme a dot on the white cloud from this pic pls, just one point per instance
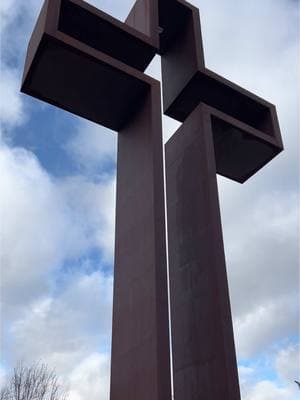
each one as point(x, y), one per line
point(36, 227)
point(260, 233)
point(255, 387)
point(258, 329)
point(31, 239)
point(16, 24)
point(61, 329)
point(288, 363)
point(45, 222)
point(267, 390)
point(247, 379)
point(2, 377)
point(93, 205)
point(11, 106)
point(90, 379)
point(17, 20)
point(8, 11)
point(92, 146)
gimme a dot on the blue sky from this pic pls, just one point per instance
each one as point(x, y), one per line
point(58, 200)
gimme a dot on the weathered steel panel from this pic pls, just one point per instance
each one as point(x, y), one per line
point(140, 365)
point(204, 363)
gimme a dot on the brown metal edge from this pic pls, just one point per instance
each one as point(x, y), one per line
point(154, 35)
point(272, 140)
point(114, 21)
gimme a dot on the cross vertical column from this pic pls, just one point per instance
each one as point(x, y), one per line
point(204, 363)
point(140, 364)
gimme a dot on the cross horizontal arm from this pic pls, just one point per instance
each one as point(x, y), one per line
point(248, 136)
point(75, 60)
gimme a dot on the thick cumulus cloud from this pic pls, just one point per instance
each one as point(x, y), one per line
point(94, 206)
point(16, 22)
point(90, 378)
point(35, 242)
point(267, 390)
point(61, 330)
point(49, 283)
point(31, 238)
point(262, 256)
point(92, 147)
point(286, 361)
point(45, 225)
point(264, 389)
point(11, 107)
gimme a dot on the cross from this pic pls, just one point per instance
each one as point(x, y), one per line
point(88, 63)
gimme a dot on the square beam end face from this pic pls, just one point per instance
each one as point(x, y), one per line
point(89, 86)
point(239, 151)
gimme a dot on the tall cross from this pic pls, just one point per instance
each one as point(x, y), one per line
point(86, 62)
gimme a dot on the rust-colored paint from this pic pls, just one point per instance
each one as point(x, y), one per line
point(88, 63)
point(140, 364)
point(204, 362)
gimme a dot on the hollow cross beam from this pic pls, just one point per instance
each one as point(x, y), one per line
point(88, 63)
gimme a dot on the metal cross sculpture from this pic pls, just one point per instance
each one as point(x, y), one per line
point(86, 62)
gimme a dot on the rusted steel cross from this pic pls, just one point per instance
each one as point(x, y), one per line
point(86, 62)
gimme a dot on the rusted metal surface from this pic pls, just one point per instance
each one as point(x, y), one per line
point(88, 63)
point(140, 365)
point(92, 72)
point(204, 363)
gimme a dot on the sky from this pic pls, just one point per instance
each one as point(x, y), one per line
point(57, 207)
